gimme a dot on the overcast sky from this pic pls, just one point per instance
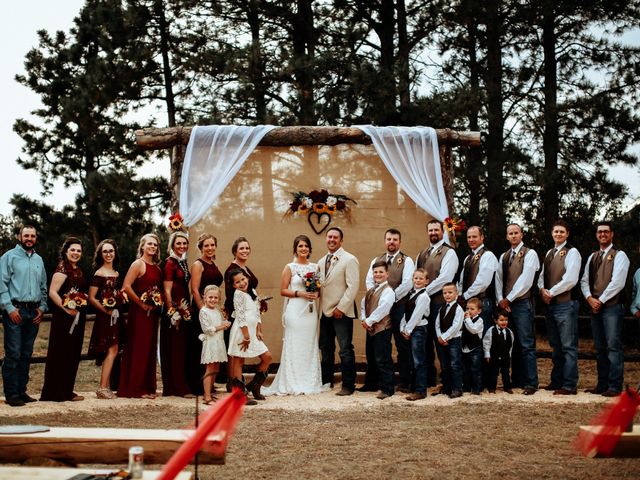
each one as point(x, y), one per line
point(18, 35)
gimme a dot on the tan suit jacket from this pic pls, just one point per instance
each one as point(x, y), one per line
point(340, 284)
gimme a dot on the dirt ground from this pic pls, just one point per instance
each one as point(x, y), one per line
point(360, 437)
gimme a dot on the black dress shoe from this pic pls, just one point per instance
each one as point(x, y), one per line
point(564, 391)
point(455, 394)
point(27, 399)
point(550, 387)
point(595, 391)
point(366, 388)
point(529, 391)
point(15, 402)
point(610, 393)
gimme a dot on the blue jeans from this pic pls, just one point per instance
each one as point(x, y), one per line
point(607, 331)
point(342, 330)
point(403, 347)
point(562, 330)
point(472, 367)
point(487, 314)
point(419, 338)
point(18, 347)
point(432, 344)
point(381, 343)
point(451, 363)
point(525, 363)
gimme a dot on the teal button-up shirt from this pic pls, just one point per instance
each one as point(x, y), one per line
point(22, 279)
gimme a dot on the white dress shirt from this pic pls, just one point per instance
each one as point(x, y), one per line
point(419, 315)
point(407, 275)
point(524, 281)
point(618, 276)
point(571, 274)
point(448, 269)
point(475, 326)
point(456, 327)
point(386, 301)
point(486, 270)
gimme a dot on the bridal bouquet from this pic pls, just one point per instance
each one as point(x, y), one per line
point(152, 297)
point(112, 298)
point(74, 299)
point(179, 312)
point(311, 285)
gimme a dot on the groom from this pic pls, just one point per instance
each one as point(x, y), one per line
point(340, 274)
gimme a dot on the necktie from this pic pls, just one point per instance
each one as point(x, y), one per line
point(389, 260)
point(327, 263)
point(513, 254)
point(598, 261)
point(555, 251)
point(430, 251)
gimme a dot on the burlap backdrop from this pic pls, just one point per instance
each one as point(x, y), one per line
point(255, 201)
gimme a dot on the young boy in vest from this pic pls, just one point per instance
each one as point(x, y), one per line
point(498, 343)
point(376, 319)
point(472, 346)
point(448, 332)
point(413, 327)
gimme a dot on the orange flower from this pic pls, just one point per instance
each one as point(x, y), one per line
point(331, 209)
point(319, 207)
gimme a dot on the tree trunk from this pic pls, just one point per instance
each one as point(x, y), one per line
point(495, 137)
point(385, 110)
point(256, 64)
point(163, 28)
point(550, 141)
point(303, 58)
point(403, 62)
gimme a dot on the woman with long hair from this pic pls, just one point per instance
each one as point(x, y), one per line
point(67, 325)
point(103, 297)
point(143, 285)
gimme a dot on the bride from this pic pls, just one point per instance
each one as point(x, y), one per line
point(299, 370)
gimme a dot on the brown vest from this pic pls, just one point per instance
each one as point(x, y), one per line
point(432, 263)
point(554, 269)
point(371, 300)
point(447, 320)
point(511, 273)
point(471, 268)
point(600, 273)
point(395, 269)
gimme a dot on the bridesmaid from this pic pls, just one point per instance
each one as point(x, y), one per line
point(204, 272)
point(66, 337)
point(138, 373)
point(240, 251)
point(106, 327)
point(173, 336)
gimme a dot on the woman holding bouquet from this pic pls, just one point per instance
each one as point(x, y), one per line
point(204, 272)
point(143, 285)
point(174, 324)
point(68, 294)
point(106, 297)
point(299, 371)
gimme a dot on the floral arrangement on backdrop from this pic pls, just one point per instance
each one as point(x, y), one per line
point(320, 201)
point(453, 225)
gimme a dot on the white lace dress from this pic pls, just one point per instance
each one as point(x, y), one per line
point(299, 371)
point(213, 348)
point(246, 314)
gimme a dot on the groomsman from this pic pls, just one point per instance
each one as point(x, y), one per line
point(477, 278)
point(514, 281)
point(340, 274)
point(557, 282)
point(400, 268)
point(602, 285)
point(441, 263)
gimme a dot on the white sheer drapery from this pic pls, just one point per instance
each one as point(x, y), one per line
point(412, 157)
point(214, 155)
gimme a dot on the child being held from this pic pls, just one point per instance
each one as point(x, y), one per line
point(498, 343)
point(214, 350)
point(472, 346)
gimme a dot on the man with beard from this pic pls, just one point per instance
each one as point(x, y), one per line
point(23, 299)
point(441, 263)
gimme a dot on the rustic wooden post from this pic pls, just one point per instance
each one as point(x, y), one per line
point(446, 166)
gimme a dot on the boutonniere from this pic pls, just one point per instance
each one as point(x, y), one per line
point(520, 254)
point(334, 260)
point(399, 261)
point(562, 253)
point(476, 257)
point(439, 251)
point(610, 257)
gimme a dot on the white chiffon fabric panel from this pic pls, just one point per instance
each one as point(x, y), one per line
point(214, 155)
point(412, 157)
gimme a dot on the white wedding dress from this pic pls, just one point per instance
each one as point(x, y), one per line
point(299, 371)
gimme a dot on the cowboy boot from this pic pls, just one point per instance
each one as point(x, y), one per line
point(238, 383)
point(254, 385)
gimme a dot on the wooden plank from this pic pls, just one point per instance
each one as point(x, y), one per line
point(161, 138)
point(628, 445)
point(50, 473)
point(104, 445)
